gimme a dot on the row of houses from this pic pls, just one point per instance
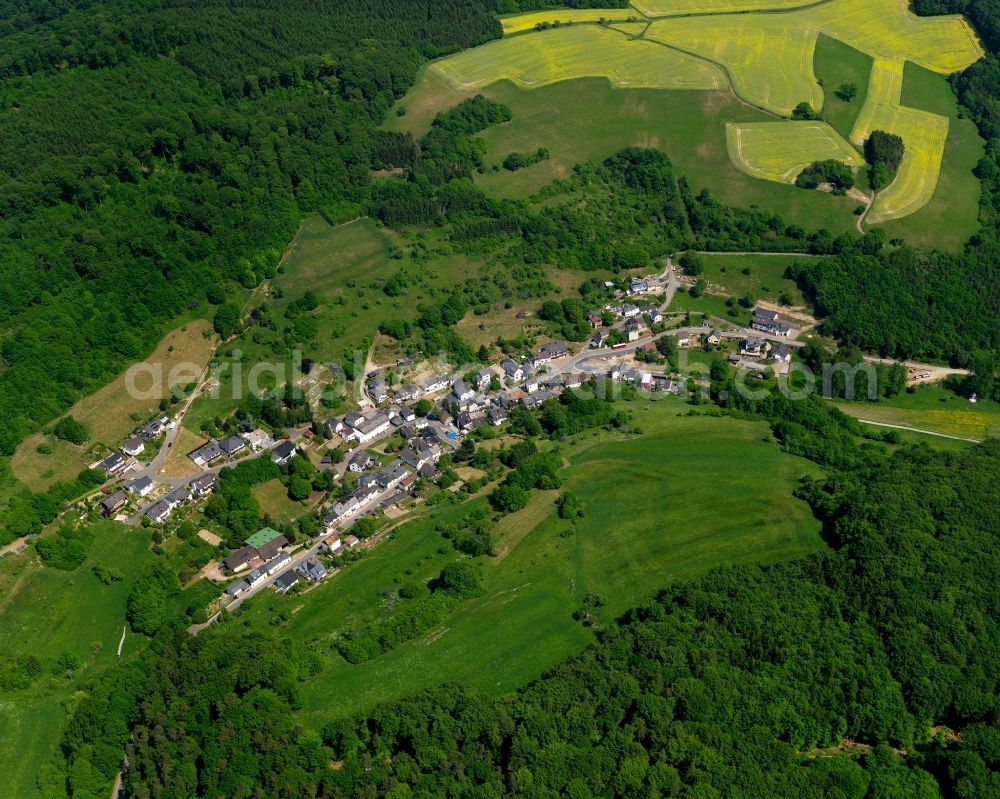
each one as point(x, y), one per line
point(116, 462)
point(237, 445)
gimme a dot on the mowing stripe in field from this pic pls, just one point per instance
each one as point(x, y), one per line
point(557, 54)
point(884, 88)
point(769, 61)
point(924, 135)
point(779, 151)
point(669, 8)
point(520, 23)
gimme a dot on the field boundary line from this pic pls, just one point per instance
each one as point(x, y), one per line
point(919, 430)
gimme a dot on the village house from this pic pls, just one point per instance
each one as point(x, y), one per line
point(752, 346)
point(351, 541)
point(258, 439)
point(133, 446)
point(378, 390)
point(633, 330)
point(285, 580)
point(268, 542)
point(513, 371)
point(360, 461)
point(234, 589)
point(551, 351)
point(461, 391)
point(203, 485)
point(178, 496)
point(391, 475)
point(158, 512)
point(496, 416)
point(630, 311)
point(206, 454)
point(482, 379)
point(112, 464)
point(714, 337)
point(599, 339)
point(781, 353)
point(770, 322)
point(654, 313)
point(330, 544)
point(140, 487)
point(407, 393)
point(113, 503)
point(355, 426)
point(239, 559)
point(283, 453)
point(154, 428)
point(435, 383)
point(406, 415)
point(232, 446)
point(312, 570)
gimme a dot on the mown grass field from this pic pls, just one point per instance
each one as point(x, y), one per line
point(578, 51)
point(274, 501)
point(689, 494)
point(48, 612)
point(766, 278)
point(779, 151)
point(837, 64)
point(113, 412)
point(932, 408)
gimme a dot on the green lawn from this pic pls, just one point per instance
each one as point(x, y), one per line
point(48, 612)
point(689, 494)
point(766, 278)
point(835, 64)
point(712, 305)
point(274, 501)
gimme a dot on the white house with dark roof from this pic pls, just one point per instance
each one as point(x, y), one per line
point(112, 464)
point(204, 455)
point(513, 370)
point(232, 446)
point(134, 446)
point(140, 487)
point(283, 453)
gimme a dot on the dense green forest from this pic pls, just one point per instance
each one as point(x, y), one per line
point(189, 141)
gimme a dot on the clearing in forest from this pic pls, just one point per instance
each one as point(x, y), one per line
point(764, 50)
point(780, 150)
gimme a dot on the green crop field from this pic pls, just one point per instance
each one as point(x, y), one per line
point(47, 612)
point(702, 492)
point(578, 51)
point(779, 151)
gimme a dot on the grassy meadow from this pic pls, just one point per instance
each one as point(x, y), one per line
point(47, 612)
point(701, 492)
point(836, 64)
point(765, 278)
